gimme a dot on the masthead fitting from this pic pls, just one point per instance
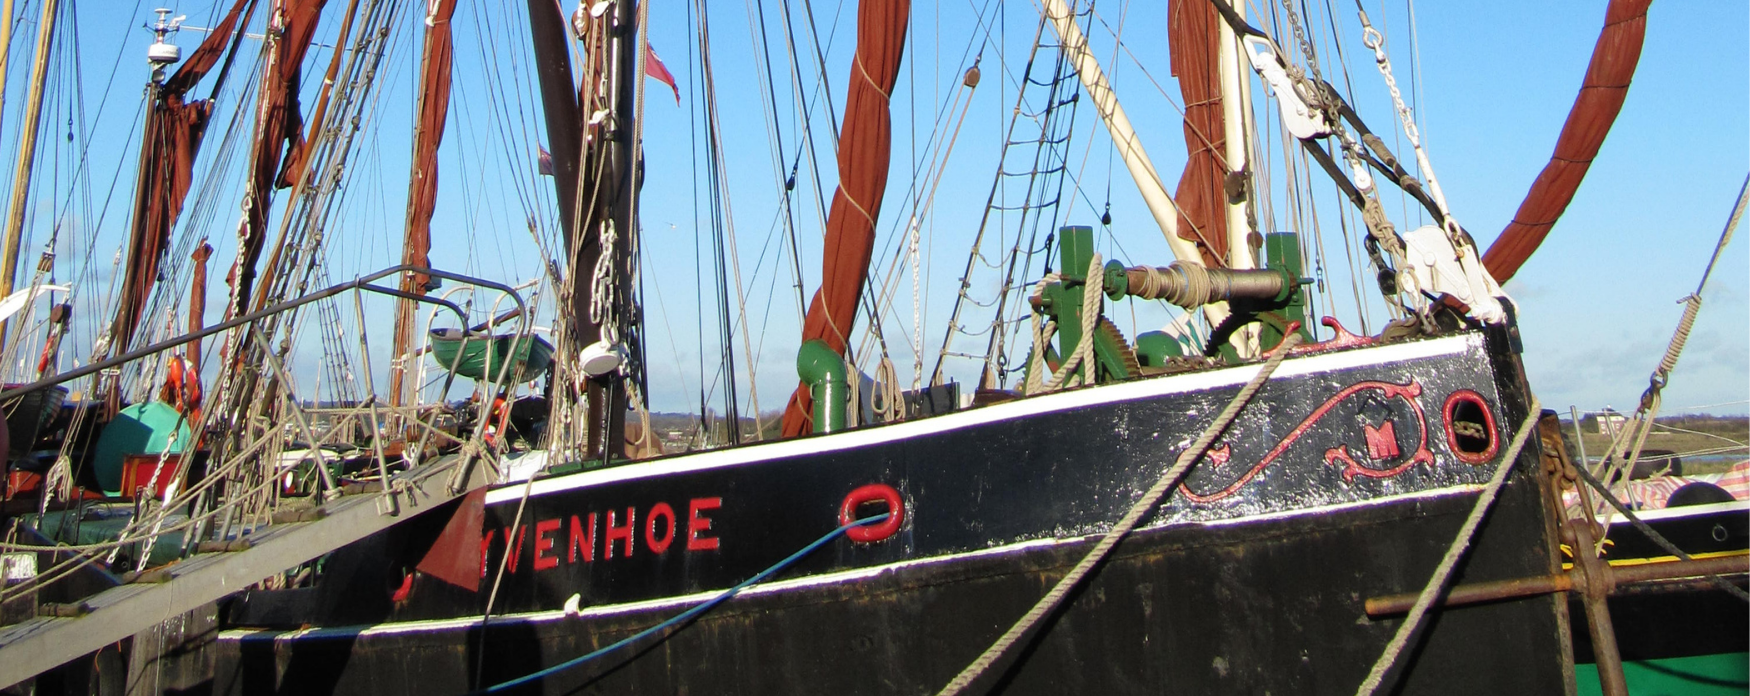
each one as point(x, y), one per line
point(163, 53)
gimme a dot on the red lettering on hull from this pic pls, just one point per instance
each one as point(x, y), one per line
point(486, 546)
point(582, 539)
point(662, 527)
point(544, 544)
point(620, 533)
point(516, 551)
point(651, 540)
point(698, 524)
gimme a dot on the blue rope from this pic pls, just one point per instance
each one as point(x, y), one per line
point(689, 614)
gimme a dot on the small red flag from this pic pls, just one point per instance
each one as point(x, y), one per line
point(654, 68)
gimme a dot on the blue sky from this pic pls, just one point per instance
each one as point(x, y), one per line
point(1490, 84)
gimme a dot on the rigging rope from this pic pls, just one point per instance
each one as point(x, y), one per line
point(1443, 572)
point(1651, 533)
point(1620, 459)
point(1066, 374)
point(1374, 40)
point(682, 618)
point(1167, 482)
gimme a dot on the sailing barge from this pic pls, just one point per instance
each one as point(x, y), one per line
point(1228, 519)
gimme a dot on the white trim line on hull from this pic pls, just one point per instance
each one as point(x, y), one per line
point(440, 625)
point(1050, 403)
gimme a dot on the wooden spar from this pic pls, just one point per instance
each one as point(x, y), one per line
point(278, 133)
point(174, 129)
point(1142, 170)
point(1613, 63)
point(1236, 109)
point(297, 163)
point(1236, 106)
point(33, 111)
point(607, 194)
point(428, 133)
point(559, 105)
point(627, 161)
point(5, 47)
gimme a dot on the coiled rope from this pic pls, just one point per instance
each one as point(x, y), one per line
point(1187, 285)
point(1167, 482)
point(1065, 375)
point(1443, 572)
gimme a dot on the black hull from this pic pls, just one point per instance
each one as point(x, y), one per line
point(1250, 579)
point(1250, 608)
point(1676, 619)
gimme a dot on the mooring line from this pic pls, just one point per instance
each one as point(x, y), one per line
point(1167, 482)
point(689, 614)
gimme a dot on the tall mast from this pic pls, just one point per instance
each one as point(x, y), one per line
point(1236, 109)
point(559, 105)
point(594, 185)
point(1236, 106)
point(1136, 160)
point(33, 112)
point(5, 47)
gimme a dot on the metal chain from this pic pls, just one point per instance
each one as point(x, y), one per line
point(1312, 61)
point(1375, 41)
point(1313, 90)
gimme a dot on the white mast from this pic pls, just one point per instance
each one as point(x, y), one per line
point(1236, 105)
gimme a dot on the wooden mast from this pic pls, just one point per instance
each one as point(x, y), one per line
point(1236, 188)
point(5, 48)
point(33, 111)
point(606, 195)
point(1236, 106)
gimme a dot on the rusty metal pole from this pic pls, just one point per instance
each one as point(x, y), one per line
point(1594, 581)
point(1625, 580)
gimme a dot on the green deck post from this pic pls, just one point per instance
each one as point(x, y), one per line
point(823, 370)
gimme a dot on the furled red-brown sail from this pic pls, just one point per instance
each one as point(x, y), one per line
point(434, 107)
point(1607, 79)
point(864, 146)
point(173, 135)
point(279, 130)
point(197, 302)
point(1193, 40)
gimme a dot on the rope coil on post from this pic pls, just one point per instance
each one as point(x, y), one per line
point(1092, 289)
point(1183, 284)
